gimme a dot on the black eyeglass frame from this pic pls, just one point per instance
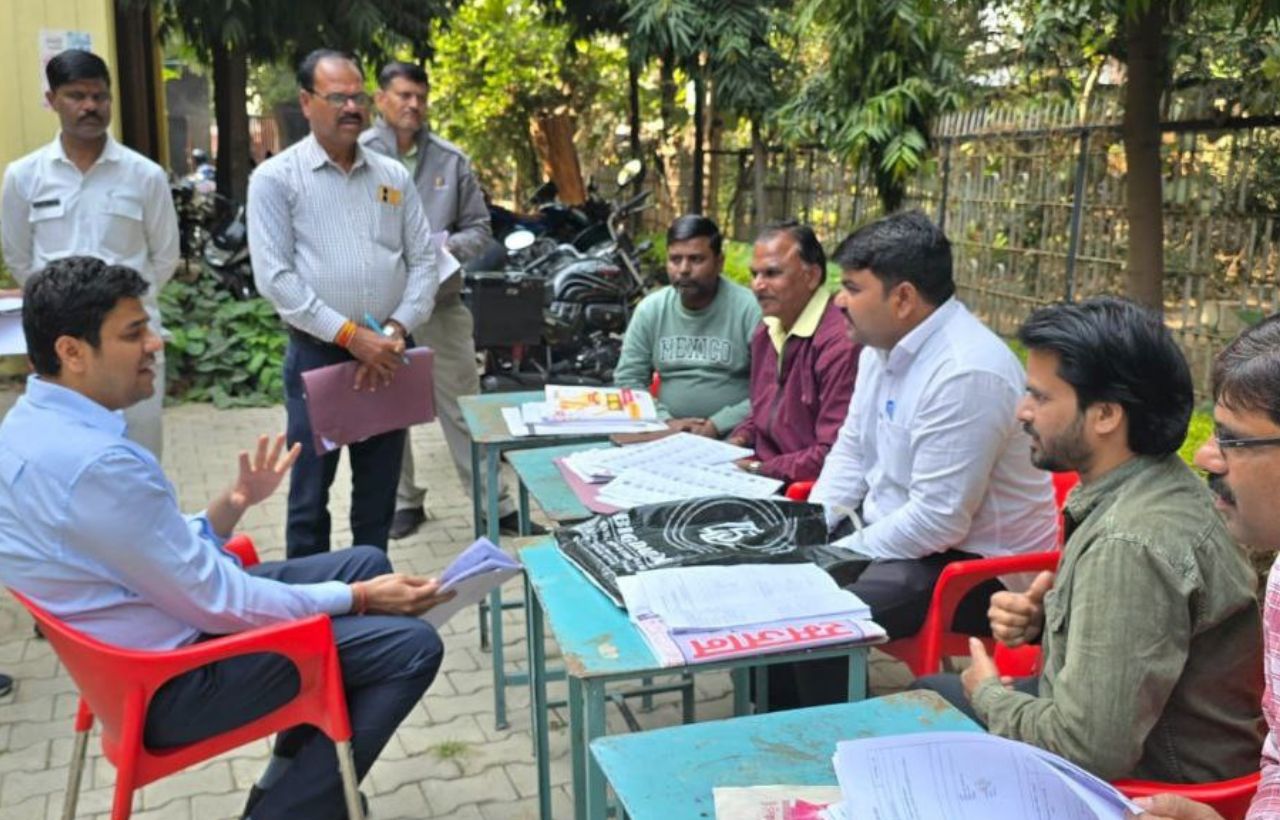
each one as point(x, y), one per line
point(1246, 443)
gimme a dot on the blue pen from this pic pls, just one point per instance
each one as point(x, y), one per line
point(380, 330)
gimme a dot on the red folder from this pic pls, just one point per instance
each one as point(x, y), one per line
point(342, 415)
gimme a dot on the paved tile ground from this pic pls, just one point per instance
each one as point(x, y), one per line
point(446, 761)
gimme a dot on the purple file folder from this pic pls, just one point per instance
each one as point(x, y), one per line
point(341, 415)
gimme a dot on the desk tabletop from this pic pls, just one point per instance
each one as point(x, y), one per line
point(483, 414)
point(542, 478)
point(668, 774)
point(597, 639)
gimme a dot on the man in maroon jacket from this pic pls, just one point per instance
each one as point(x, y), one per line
point(802, 361)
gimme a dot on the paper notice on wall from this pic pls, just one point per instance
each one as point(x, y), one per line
point(53, 42)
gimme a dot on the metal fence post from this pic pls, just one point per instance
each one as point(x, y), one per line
point(946, 184)
point(1077, 213)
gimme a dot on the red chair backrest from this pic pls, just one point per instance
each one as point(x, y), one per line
point(1063, 483)
point(655, 384)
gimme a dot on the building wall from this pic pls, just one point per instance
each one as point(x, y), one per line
point(27, 123)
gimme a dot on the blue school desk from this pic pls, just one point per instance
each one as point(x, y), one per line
point(668, 774)
point(601, 646)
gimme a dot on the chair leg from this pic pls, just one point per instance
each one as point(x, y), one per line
point(347, 767)
point(73, 777)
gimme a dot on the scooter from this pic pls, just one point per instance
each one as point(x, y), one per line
point(226, 256)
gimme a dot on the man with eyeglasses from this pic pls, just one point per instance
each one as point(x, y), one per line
point(338, 234)
point(86, 194)
point(1243, 462)
point(1149, 629)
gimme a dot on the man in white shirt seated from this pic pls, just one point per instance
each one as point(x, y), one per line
point(931, 455)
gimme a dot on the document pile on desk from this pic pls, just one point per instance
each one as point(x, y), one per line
point(773, 802)
point(673, 468)
point(966, 776)
point(711, 613)
point(572, 410)
point(472, 575)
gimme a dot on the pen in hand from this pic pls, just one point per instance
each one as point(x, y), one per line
point(380, 330)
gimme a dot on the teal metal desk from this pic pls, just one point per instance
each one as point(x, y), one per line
point(668, 774)
point(490, 438)
point(601, 646)
point(541, 478)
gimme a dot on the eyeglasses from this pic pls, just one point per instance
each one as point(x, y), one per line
point(338, 100)
point(1228, 443)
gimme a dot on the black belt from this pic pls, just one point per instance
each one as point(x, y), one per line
point(302, 336)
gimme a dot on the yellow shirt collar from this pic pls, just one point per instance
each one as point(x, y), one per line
point(804, 327)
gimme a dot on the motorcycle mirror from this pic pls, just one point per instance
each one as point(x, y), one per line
point(518, 240)
point(630, 171)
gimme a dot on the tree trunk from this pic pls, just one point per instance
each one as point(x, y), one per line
point(760, 213)
point(715, 137)
point(699, 136)
point(1146, 80)
point(230, 79)
point(553, 139)
point(633, 108)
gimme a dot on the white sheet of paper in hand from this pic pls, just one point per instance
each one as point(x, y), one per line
point(12, 340)
point(446, 263)
point(477, 570)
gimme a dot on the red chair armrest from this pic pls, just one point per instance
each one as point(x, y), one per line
point(306, 642)
point(1210, 793)
point(799, 490)
point(242, 547)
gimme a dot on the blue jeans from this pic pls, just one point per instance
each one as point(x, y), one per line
point(375, 465)
point(387, 664)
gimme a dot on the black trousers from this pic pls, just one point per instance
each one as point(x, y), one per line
point(898, 593)
point(375, 465)
point(387, 661)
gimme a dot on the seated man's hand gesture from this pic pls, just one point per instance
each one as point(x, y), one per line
point(1017, 618)
point(398, 594)
point(258, 478)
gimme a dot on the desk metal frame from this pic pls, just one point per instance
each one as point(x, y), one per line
point(490, 438)
point(601, 646)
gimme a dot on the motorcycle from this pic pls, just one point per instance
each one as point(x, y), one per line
point(557, 315)
point(226, 256)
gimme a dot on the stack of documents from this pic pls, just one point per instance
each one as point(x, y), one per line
point(710, 613)
point(571, 410)
point(967, 776)
point(480, 568)
point(599, 466)
point(12, 340)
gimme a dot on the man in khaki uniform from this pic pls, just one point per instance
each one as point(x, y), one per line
point(453, 202)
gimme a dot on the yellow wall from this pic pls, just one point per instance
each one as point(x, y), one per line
point(26, 123)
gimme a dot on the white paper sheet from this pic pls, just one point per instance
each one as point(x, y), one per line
point(472, 575)
point(681, 448)
point(675, 482)
point(12, 341)
point(446, 263)
point(963, 776)
point(718, 597)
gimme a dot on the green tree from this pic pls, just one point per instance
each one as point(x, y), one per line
point(227, 34)
point(499, 63)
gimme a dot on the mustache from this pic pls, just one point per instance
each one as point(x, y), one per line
point(1218, 485)
point(1029, 430)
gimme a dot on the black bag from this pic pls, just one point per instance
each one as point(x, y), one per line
point(716, 530)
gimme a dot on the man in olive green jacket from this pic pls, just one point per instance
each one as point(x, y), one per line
point(1150, 630)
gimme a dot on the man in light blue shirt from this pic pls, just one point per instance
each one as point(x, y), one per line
point(90, 530)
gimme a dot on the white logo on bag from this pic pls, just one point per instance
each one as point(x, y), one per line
point(729, 533)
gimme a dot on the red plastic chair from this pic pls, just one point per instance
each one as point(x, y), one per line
point(924, 651)
point(655, 384)
point(1230, 798)
point(116, 686)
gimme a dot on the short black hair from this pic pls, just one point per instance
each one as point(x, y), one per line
point(1113, 350)
point(75, 64)
point(1246, 373)
point(807, 244)
point(692, 226)
point(307, 68)
point(72, 297)
point(902, 247)
point(399, 68)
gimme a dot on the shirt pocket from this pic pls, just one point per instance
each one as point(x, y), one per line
point(50, 229)
point(389, 228)
point(122, 231)
point(894, 449)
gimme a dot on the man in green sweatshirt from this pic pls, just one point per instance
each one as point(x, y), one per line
point(695, 335)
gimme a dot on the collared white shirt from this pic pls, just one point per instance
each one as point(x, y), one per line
point(120, 211)
point(932, 450)
point(329, 245)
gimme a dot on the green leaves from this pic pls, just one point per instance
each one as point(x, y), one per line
point(224, 351)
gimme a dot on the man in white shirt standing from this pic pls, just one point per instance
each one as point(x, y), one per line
point(86, 194)
point(931, 454)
